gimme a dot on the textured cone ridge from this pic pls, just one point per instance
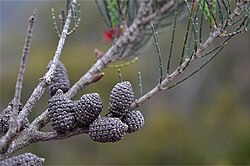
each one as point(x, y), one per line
point(60, 79)
point(5, 117)
point(107, 129)
point(28, 159)
point(134, 120)
point(61, 113)
point(121, 97)
point(4, 120)
point(88, 108)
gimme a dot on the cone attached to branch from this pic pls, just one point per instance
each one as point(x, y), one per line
point(107, 129)
point(59, 80)
point(5, 117)
point(88, 108)
point(61, 113)
point(121, 97)
point(134, 119)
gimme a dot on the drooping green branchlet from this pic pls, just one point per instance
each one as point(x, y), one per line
point(59, 80)
point(134, 119)
point(61, 112)
point(88, 109)
point(27, 159)
point(107, 129)
point(121, 97)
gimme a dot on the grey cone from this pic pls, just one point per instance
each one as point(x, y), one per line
point(134, 119)
point(59, 80)
point(61, 113)
point(27, 159)
point(88, 109)
point(5, 117)
point(107, 129)
point(121, 97)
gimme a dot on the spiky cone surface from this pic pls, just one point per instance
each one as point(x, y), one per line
point(27, 159)
point(134, 119)
point(107, 129)
point(61, 112)
point(4, 120)
point(121, 97)
point(59, 80)
point(88, 109)
point(5, 117)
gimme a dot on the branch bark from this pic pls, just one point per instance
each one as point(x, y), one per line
point(13, 122)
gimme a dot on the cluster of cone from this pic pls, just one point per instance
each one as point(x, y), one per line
point(23, 159)
point(66, 115)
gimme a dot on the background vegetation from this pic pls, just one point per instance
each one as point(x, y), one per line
point(205, 120)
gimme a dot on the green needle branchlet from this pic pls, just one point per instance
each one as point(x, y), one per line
point(187, 32)
point(75, 15)
point(132, 61)
point(157, 44)
point(140, 83)
point(193, 31)
point(112, 12)
point(198, 69)
point(54, 22)
point(173, 36)
point(119, 75)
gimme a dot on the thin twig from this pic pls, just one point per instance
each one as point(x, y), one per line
point(28, 136)
point(52, 136)
point(77, 19)
point(157, 44)
point(54, 22)
point(187, 32)
point(201, 23)
point(140, 83)
point(123, 14)
point(173, 36)
point(13, 124)
point(119, 75)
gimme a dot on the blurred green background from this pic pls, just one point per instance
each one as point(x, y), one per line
point(205, 120)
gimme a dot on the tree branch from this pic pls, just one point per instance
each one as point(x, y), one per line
point(13, 122)
point(125, 42)
point(28, 136)
point(52, 136)
point(198, 54)
point(45, 80)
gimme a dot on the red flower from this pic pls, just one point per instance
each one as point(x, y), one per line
point(110, 34)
